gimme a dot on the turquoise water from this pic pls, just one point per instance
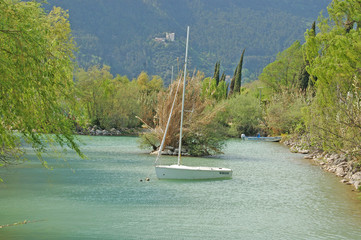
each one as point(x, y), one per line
point(274, 194)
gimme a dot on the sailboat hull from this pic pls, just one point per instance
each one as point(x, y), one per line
point(187, 172)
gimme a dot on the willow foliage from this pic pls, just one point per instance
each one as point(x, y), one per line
point(36, 87)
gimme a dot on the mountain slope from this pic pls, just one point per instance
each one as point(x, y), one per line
point(122, 32)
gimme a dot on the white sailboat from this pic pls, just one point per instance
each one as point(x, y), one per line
point(178, 171)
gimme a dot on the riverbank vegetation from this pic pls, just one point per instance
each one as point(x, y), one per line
point(311, 90)
point(326, 85)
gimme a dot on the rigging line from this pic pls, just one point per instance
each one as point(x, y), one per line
point(166, 128)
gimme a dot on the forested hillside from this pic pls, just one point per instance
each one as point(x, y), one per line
point(121, 33)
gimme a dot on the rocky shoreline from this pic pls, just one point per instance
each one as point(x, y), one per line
point(97, 131)
point(171, 151)
point(341, 165)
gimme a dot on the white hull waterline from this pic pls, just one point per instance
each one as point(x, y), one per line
point(186, 172)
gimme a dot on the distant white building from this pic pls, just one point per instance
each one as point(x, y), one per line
point(170, 37)
point(159, 39)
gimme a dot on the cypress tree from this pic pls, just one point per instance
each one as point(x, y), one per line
point(310, 82)
point(238, 76)
point(313, 28)
point(216, 71)
point(232, 82)
point(304, 76)
point(223, 77)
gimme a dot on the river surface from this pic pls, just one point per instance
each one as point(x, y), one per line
point(274, 194)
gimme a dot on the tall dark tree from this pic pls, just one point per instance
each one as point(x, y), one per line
point(216, 71)
point(313, 28)
point(349, 24)
point(304, 76)
point(232, 82)
point(223, 77)
point(238, 75)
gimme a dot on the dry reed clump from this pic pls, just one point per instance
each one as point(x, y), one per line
point(198, 113)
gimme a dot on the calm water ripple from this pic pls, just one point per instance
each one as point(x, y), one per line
point(274, 194)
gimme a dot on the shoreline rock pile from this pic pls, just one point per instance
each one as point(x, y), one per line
point(171, 151)
point(97, 131)
point(339, 164)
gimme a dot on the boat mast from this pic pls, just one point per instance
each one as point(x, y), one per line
point(184, 89)
point(169, 117)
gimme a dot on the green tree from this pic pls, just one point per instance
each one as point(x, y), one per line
point(122, 79)
point(223, 77)
point(244, 115)
point(284, 113)
point(215, 88)
point(148, 96)
point(238, 77)
point(231, 87)
point(93, 88)
point(334, 55)
point(236, 83)
point(121, 105)
point(221, 91)
point(36, 57)
point(216, 71)
point(113, 102)
point(212, 90)
point(284, 71)
point(304, 79)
